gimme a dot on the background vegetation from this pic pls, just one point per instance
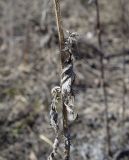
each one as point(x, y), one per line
point(29, 68)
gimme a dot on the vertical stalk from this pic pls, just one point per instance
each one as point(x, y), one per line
point(99, 32)
point(123, 22)
point(63, 58)
point(27, 46)
point(59, 24)
point(9, 27)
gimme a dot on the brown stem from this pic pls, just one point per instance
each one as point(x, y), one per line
point(99, 32)
point(124, 28)
point(63, 56)
point(59, 23)
point(27, 45)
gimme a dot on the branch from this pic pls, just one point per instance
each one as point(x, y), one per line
point(99, 32)
point(124, 28)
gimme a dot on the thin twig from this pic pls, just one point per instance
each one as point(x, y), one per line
point(59, 24)
point(123, 22)
point(99, 32)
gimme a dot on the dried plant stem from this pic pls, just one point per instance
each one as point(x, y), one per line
point(63, 56)
point(108, 148)
point(123, 22)
point(59, 23)
point(65, 90)
point(124, 90)
point(27, 45)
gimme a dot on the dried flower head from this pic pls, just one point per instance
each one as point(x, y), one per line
point(70, 40)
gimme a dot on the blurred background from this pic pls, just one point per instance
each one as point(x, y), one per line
point(30, 67)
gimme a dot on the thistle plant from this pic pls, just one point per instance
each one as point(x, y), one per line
point(64, 92)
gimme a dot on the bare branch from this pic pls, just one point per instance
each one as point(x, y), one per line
point(99, 32)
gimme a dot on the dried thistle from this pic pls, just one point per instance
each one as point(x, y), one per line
point(54, 121)
point(64, 92)
point(70, 40)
